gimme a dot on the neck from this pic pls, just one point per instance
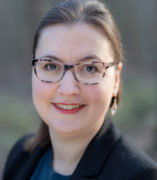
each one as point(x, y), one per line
point(67, 151)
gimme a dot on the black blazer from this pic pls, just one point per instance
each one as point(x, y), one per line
point(109, 156)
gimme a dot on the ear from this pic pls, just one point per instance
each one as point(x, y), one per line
point(117, 79)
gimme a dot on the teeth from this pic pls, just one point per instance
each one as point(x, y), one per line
point(68, 106)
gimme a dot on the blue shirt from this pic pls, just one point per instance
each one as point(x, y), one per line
point(44, 169)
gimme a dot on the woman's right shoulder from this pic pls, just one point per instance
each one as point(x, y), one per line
point(18, 147)
point(17, 154)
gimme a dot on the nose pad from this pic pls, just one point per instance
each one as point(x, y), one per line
point(68, 85)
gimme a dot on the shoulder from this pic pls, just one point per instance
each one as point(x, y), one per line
point(131, 162)
point(111, 156)
point(16, 155)
point(20, 163)
point(18, 150)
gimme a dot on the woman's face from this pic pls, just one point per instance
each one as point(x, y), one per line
point(57, 103)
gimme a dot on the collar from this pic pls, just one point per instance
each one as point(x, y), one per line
point(98, 151)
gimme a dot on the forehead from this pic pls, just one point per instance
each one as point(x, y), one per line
point(73, 42)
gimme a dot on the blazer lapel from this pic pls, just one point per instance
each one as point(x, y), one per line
point(97, 152)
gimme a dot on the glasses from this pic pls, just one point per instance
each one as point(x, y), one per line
point(89, 72)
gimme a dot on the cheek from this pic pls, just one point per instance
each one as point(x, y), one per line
point(42, 91)
point(99, 93)
point(94, 94)
point(99, 96)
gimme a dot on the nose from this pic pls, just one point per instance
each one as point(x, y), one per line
point(68, 85)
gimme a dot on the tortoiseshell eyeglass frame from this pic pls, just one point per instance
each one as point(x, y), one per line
point(71, 67)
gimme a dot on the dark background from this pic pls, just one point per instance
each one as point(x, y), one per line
point(137, 116)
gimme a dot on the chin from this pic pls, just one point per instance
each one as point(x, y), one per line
point(65, 127)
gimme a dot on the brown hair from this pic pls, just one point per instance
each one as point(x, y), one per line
point(91, 12)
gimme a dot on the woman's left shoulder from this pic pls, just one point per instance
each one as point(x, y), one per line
point(131, 161)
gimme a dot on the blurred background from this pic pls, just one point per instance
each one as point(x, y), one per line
point(137, 115)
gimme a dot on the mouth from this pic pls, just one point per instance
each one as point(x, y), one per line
point(68, 108)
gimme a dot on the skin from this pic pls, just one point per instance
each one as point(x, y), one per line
point(71, 133)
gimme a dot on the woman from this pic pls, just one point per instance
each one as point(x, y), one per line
point(77, 60)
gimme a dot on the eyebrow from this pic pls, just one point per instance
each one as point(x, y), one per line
point(86, 58)
point(90, 57)
point(52, 57)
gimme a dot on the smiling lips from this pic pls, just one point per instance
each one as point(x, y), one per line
point(68, 108)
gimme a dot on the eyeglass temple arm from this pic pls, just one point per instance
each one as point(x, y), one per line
point(34, 61)
point(111, 64)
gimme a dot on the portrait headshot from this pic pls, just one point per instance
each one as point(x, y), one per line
point(79, 98)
